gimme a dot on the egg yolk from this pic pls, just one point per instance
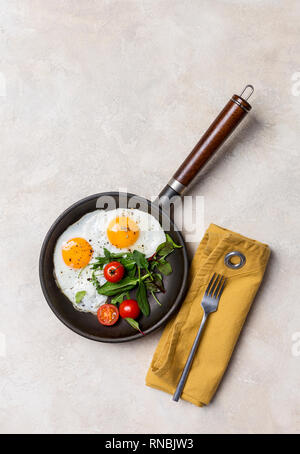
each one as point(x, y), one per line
point(77, 253)
point(122, 232)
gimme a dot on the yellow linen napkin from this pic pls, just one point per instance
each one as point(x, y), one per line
point(222, 327)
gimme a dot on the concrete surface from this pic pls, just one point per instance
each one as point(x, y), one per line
point(99, 95)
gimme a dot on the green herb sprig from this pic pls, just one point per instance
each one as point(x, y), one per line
point(141, 273)
point(79, 296)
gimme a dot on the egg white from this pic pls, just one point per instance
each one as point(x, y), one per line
point(150, 236)
point(92, 227)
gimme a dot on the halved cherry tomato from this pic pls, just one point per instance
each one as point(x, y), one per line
point(108, 314)
point(114, 271)
point(129, 308)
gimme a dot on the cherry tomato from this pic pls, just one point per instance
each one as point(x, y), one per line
point(129, 308)
point(113, 271)
point(108, 314)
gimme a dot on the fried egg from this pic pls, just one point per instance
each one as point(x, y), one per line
point(120, 230)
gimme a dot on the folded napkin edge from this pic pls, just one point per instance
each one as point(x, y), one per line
point(184, 395)
point(229, 234)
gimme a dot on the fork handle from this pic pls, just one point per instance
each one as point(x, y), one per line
point(189, 362)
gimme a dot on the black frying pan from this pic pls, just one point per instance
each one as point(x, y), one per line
point(86, 324)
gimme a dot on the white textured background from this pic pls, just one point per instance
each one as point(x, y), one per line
point(97, 95)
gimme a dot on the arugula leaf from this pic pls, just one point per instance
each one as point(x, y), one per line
point(156, 285)
point(154, 297)
point(164, 267)
point(123, 257)
point(107, 253)
point(159, 277)
point(117, 255)
point(134, 324)
point(113, 288)
point(153, 264)
point(165, 249)
point(140, 260)
point(128, 262)
point(131, 272)
point(150, 285)
point(170, 240)
point(141, 296)
point(79, 296)
point(100, 262)
point(120, 298)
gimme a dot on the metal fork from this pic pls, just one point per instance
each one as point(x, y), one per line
point(209, 304)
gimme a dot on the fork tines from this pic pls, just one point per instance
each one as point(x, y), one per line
point(216, 286)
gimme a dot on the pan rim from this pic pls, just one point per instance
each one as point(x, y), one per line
point(138, 335)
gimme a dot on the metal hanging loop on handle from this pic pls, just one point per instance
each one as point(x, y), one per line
point(250, 94)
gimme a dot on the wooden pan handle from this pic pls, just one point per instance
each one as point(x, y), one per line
point(225, 123)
